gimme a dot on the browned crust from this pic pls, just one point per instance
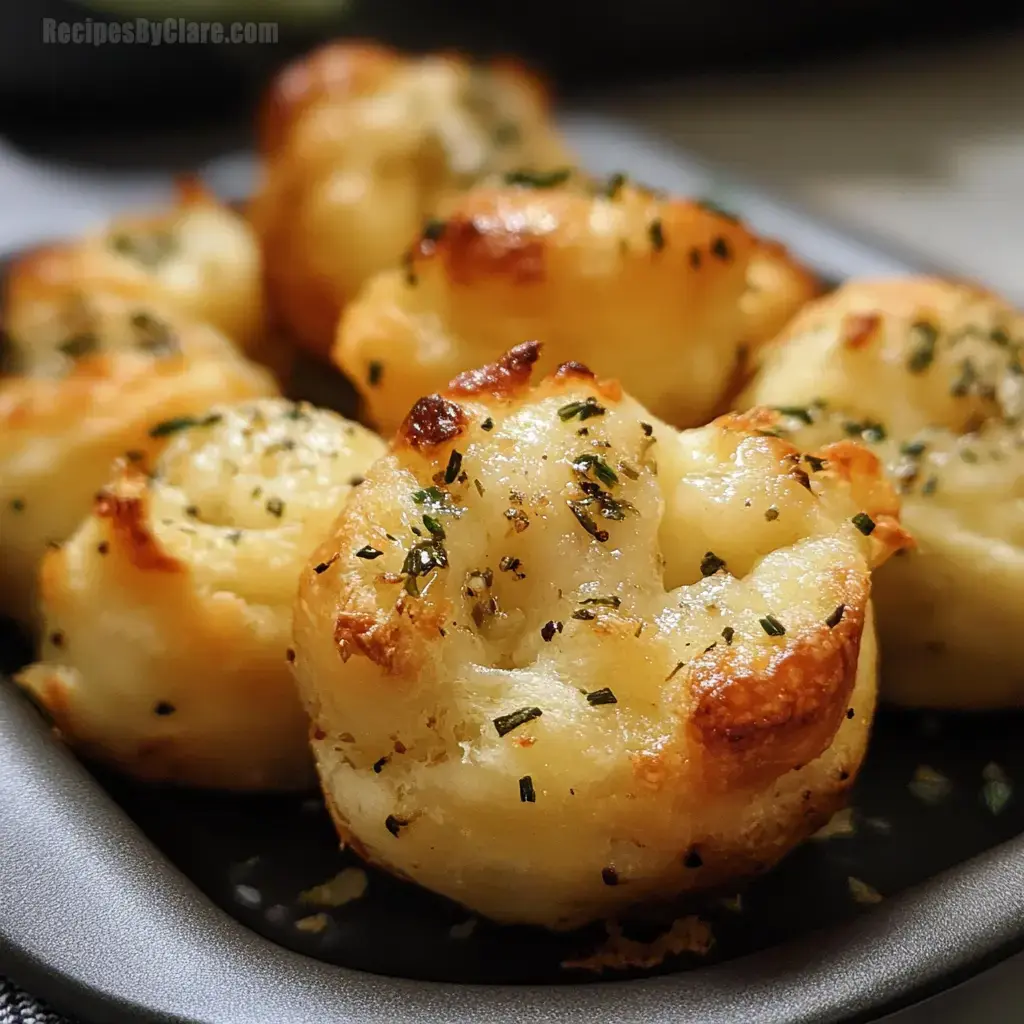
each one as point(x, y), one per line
point(757, 717)
point(130, 533)
point(509, 375)
point(391, 644)
point(860, 329)
point(576, 370)
point(359, 633)
point(432, 421)
point(335, 69)
point(473, 248)
point(760, 417)
point(862, 469)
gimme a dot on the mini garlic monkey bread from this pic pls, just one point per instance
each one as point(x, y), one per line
point(670, 296)
point(359, 144)
point(560, 658)
point(928, 374)
point(91, 383)
point(199, 258)
point(168, 613)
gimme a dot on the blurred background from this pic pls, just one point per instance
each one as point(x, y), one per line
point(898, 121)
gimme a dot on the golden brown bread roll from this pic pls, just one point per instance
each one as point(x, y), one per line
point(928, 373)
point(168, 612)
point(359, 145)
point(667, 295)
point(561, 658)
point(199, 258)
point(93, 383)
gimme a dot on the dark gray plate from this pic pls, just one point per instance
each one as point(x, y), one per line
point(113, 895)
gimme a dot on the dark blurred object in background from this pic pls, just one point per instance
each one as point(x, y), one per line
point(584, 45)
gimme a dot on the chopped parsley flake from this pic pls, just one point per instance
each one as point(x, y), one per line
point(869, 431)
point(434, 229)
point(965, 380)
point(772, 626)
point(275, 506)
point(374, 372)
point(710, 564)
point(678, 666)
point(178, 423)
point(606, 602)
point(923, 336)
point(771, 514)
point(581, 410)
point(720, 249)
point(527, 794)
point(836, 617)
point(656, 231)
point(488, 424)
point(368, 553)
point(864, 523)
point(393, 824)
point(79, 345)
point(504, 724)
point(434, 528)
point(590, 463)
point(913, 448)
point(437, 502)
point(816, 464)
point(17, 504)
point(727, 634)
point(379, 764)
point(454, 466)
point(609, 876)
point(549, 629)
point(539, 179)
point(602, 696)
point(584, 518)
point(614, 185)
point(798, 412)
point(322, 567)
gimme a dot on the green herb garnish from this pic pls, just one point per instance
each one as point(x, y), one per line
point(374, 372)
point(589, 463)
point(527, 794)
point(836, 617)
point(539, 179)
point(711, 563)
point(172, 426)
point(614, 185)
point(798, 412)
point(772, 626)
point(602, 696)
point(727, 634)
point(605, 602)
point(504, 724)
point(581, 410)
point(79, 345)
point(583, 517)
point(864, 523)
point(923, 338)
point(549, 629)
point(656, 232)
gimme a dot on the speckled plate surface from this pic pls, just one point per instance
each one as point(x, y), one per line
point(123, 902)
